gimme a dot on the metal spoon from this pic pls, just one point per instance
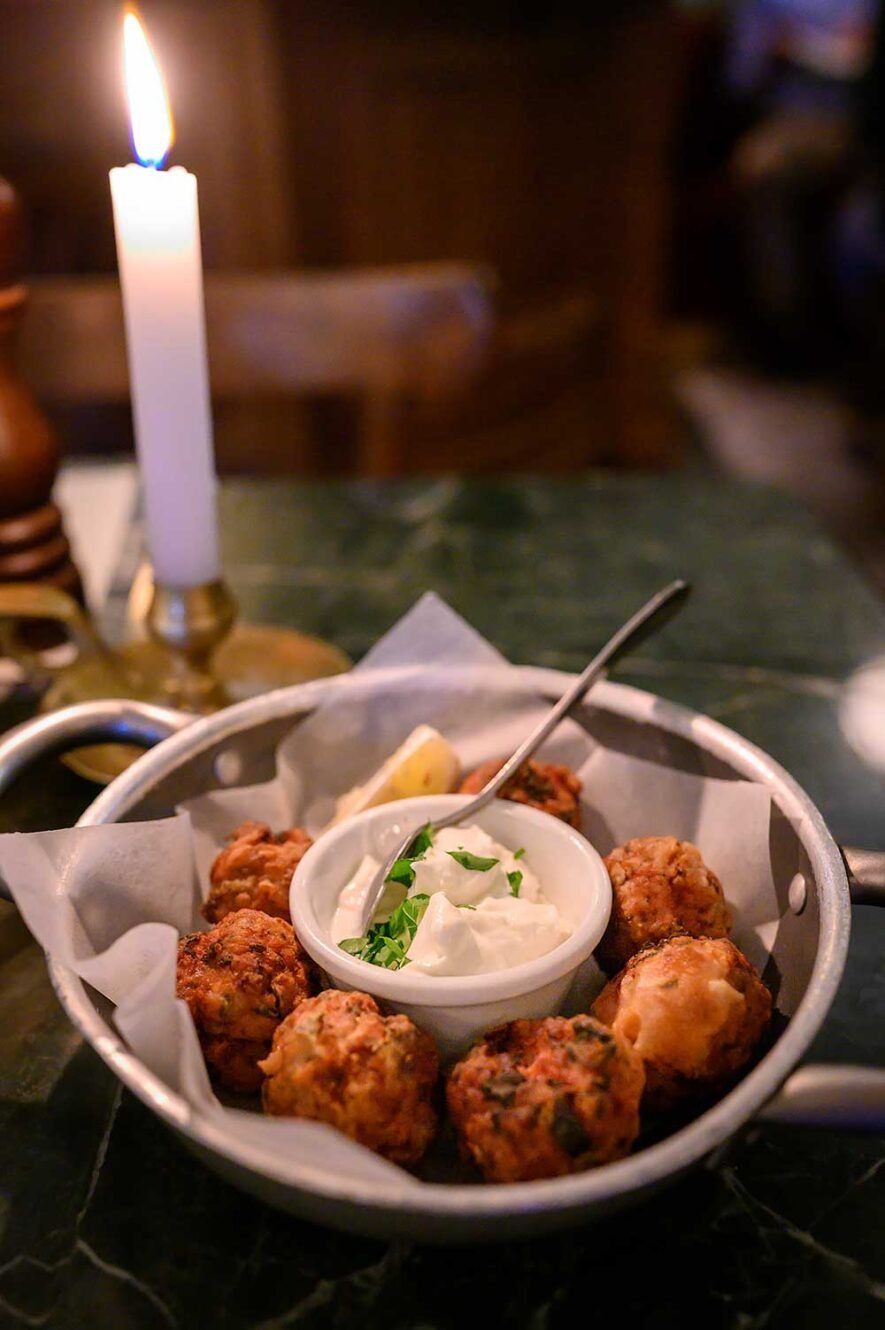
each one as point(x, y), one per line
point(640, 625)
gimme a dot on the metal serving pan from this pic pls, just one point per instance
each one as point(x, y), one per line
point(236, 746)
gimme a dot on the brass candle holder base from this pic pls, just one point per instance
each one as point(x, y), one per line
point(196, 657)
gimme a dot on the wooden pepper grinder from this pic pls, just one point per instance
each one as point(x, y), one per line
point(33, 546)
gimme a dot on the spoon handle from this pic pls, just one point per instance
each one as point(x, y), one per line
point(646, 620)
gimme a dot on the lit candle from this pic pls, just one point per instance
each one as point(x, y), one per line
point(158, 252)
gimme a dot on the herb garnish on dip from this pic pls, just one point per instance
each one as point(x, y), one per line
point(457, 904)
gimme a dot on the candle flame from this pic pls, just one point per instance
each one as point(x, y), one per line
point(149, 113)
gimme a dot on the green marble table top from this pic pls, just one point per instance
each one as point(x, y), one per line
point(105, 1221)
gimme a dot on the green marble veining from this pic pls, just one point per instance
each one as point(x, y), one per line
point(106, 1221)
point(546, 568)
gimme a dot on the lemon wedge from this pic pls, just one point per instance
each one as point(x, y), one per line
point(424, 764)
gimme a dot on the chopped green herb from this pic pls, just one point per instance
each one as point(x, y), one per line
point(567, 1129)
point(589, 1030)
point(422, 843)
point(503, 1088)
point(409, 915)
point(466, 907)
point(517, 854)
point(515, 880)
point(402, 870)
point(474, 861)
point(396, 948)
point(387, 944)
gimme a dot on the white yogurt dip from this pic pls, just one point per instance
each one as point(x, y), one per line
point(487, 910)
point(348, 911)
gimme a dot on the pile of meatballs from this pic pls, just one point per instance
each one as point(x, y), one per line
point(680, 1017)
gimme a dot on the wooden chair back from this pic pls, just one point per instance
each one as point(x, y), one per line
point(385, 336)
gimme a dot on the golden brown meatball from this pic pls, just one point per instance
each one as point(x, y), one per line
point(694, 1009)
point(254, 870)
point(660, 886)
point(336, 1059)
point(240, 979)
point(541, 1098)
point(546, 785)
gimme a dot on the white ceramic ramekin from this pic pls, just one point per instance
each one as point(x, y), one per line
point(456, 1009)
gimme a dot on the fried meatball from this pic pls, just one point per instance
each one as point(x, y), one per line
point(660, 886)
point(546, 785)
point(240, 979)
point(694, 1009)
point(254, 870)
point(541, 1098)
point(337, 1059)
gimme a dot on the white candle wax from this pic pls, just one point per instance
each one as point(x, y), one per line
point(158, 251)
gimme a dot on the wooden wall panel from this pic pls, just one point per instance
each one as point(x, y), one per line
point(498, 148)
point(525, 140)
point(354, 133)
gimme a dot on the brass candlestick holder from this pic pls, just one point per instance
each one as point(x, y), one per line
point(185, 625)
point(196, 657)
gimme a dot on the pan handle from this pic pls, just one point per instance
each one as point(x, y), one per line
point(830, 1095)
point(866, 875)
point(112, 721)
point(825, 1095)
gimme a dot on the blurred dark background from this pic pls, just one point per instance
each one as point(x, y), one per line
point(679, 210)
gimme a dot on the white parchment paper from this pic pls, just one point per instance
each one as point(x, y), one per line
point(111, 901)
